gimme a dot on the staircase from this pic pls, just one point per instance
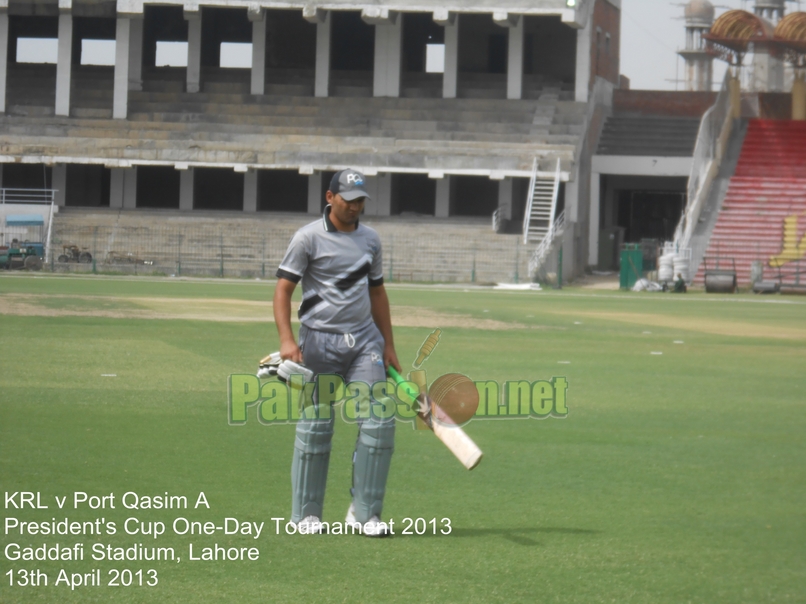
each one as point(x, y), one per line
point(649, 136)
point(763, 215)
point(541, 224)
point(540, 211)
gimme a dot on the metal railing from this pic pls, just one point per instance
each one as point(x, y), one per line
point(712, 140)
point(32, 196)
point(538, 257)
point(555, 228)
point(527, 214)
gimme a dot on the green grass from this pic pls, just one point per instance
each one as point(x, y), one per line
point(678, 477)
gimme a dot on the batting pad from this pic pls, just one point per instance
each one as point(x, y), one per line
point(371, 461)
point(309, 468)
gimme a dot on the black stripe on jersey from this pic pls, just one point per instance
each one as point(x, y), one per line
point(376, 282)
point(308, 304)
point(351, 279)
point(281, 274)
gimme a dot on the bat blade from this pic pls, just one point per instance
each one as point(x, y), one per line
point(459, 443)
point(452, 436)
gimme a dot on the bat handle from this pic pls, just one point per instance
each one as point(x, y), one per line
point(395, 375)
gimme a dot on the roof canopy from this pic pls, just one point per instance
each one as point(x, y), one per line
point(733, 32)
point(791, 32)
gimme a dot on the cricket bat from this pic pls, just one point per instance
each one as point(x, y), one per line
point(453, 437)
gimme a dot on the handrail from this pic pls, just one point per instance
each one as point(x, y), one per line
point(554, 195)
point(527, 215)
point(712, 139)
point(555, 230)
point(32, 196)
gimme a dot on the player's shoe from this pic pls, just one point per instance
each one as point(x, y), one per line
point(374, 527)
point(310, 525)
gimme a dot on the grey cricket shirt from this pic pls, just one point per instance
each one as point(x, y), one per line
point(336, 269)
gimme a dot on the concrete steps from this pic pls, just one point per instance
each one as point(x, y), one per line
point(415, 249)
point(769, 186)
point(649, 136)
point(224, 123)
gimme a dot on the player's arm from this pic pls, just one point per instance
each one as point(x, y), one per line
point(282, 318)
point(382, 316)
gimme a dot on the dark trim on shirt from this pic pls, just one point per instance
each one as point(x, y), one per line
point(376, 282)
point(308, 304)
point(281, 274)
point(351, 279)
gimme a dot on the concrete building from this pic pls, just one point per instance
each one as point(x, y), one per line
point(451, 109)
point(768, 73)
point(699, 64)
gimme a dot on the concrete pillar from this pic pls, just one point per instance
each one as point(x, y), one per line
point(250, 191)
point(3, 59)
point(186, 189)
point(258, 52)
point(116, 179)
point(315, 193)
point(583, 63)
point(515, 61)
point(64, 64)
point(59, 177)
point(450, 77)
point(194, 19)
point(505, 200)
point(120, 104)
point(799, 97)
point(1, 175)
point(442, 208)
point(513, 23)
point(768, 73)
point(136, 52)
point(593, 221)
point(322, 77)
point(388, 50)
point(129, 188)
point(383, 197)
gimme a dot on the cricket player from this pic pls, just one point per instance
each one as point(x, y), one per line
point(346, 329)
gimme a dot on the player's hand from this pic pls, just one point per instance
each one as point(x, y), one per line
point(290, 351)
point(390, 358)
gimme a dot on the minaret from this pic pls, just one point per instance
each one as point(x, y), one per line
point(771, 10)
point(699, 64)
point(768, 72)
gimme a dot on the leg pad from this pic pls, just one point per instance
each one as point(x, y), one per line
point(371, 461)
point(309, 468)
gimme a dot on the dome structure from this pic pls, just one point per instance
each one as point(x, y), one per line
point(699, 13)
point(733, 33)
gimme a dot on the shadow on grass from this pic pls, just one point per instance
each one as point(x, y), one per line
point(520, 536)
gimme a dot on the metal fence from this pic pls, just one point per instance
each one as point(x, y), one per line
point(411, 252)
point(40, 196)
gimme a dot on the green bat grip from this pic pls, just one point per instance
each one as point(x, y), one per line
point(395, 375)
point(398, 379)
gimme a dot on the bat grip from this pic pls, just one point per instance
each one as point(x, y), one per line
point(395, 375)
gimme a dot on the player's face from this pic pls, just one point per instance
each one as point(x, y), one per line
point(344, 214)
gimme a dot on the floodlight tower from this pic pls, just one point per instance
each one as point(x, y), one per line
point(699, 64)
point(768, 71)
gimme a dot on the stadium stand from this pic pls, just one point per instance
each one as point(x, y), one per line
point(520, 91)
point(765, 198)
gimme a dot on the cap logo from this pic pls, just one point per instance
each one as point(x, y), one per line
point(355, 179)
